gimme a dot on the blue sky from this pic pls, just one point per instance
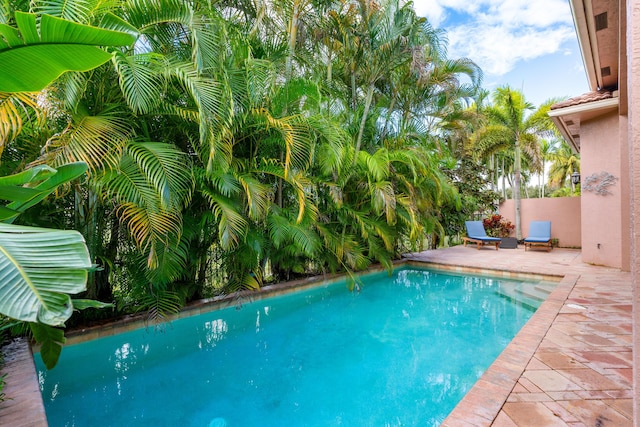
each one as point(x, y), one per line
point(530, 45)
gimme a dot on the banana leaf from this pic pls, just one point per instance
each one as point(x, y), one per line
point(39, 268)
point(56, 46)
point(30, 187)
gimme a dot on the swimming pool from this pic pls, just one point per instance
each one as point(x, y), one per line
point(401, 352)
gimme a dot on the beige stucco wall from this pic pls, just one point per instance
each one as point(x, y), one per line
point(600, 152)
point(563, 212)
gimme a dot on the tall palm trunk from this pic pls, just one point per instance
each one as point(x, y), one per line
point(504, 181)
point(363, 121)
point(293, 37)
point(516, 188)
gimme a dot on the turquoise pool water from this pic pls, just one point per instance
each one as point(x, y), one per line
point(401, 352)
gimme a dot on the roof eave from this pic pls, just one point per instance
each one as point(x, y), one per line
point(581, 10)
point(566, 134)
point(580, 112)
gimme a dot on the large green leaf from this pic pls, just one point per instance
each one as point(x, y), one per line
point(32, 59)
point(39, 267)
point(51, 341)
point(30, 187)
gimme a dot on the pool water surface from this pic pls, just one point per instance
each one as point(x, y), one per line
point(401, 352)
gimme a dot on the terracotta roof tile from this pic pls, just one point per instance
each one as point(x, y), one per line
point(584, 99)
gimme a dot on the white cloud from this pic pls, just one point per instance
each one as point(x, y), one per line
point(497, 49)
point(518, 13)
point(431, 10)
point(497, 34)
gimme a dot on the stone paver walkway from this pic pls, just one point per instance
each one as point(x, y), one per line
point(570, 365)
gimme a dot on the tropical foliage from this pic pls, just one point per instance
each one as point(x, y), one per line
point(238, 143)
point(41, 267)
point(512, 132)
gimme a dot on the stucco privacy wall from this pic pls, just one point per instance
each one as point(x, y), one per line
point(563, 212)
point(600, 153)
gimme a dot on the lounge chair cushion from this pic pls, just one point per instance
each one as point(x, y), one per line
point(475, 230)
point(539, 235)
point(539, 231)
point(477, 235)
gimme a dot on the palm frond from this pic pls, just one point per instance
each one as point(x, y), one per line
point(160, 305)
point(258, 195)
point(72, 10)
point(231, 223)
point(150, 186)
point(14, 109)
point(140, 80)
point(376, 164)
point(96, 140)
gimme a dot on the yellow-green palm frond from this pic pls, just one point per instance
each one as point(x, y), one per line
point(72, 10)
point(293, 133)
point(298, 181)
point(232, 225)
point(490, 140)
point(150, 186)
point(258, 195)
point(96, 140)
point(383, 200)
point(165, 168)
point(376, 164)
point(14, 109)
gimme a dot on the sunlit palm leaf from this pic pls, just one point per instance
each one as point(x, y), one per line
point(258, 195)
point(72, 10)
point(376, 164)
point(165, 169)
point(383, 199)
point(298, 181)
point(96, 140)
point(151, 185)
point(231, 223)
point(14, 108)
point(294, 135)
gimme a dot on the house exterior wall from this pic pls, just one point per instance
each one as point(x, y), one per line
point(601, 152)
point(563, 212)
point(633, 142)
point(625, 188)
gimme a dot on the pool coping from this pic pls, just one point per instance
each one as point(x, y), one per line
point(493, 387)
point(481, 405)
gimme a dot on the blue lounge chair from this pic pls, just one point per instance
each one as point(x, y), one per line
point(476, 234)
point(539, 235)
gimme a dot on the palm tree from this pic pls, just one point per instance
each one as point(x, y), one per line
point(512, 125)
point(564, 162)
point(546, 148)
point(228, 142)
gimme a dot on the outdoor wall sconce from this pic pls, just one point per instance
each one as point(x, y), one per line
point(575, 178)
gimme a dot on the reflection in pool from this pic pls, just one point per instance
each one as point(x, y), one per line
point(401, 352)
